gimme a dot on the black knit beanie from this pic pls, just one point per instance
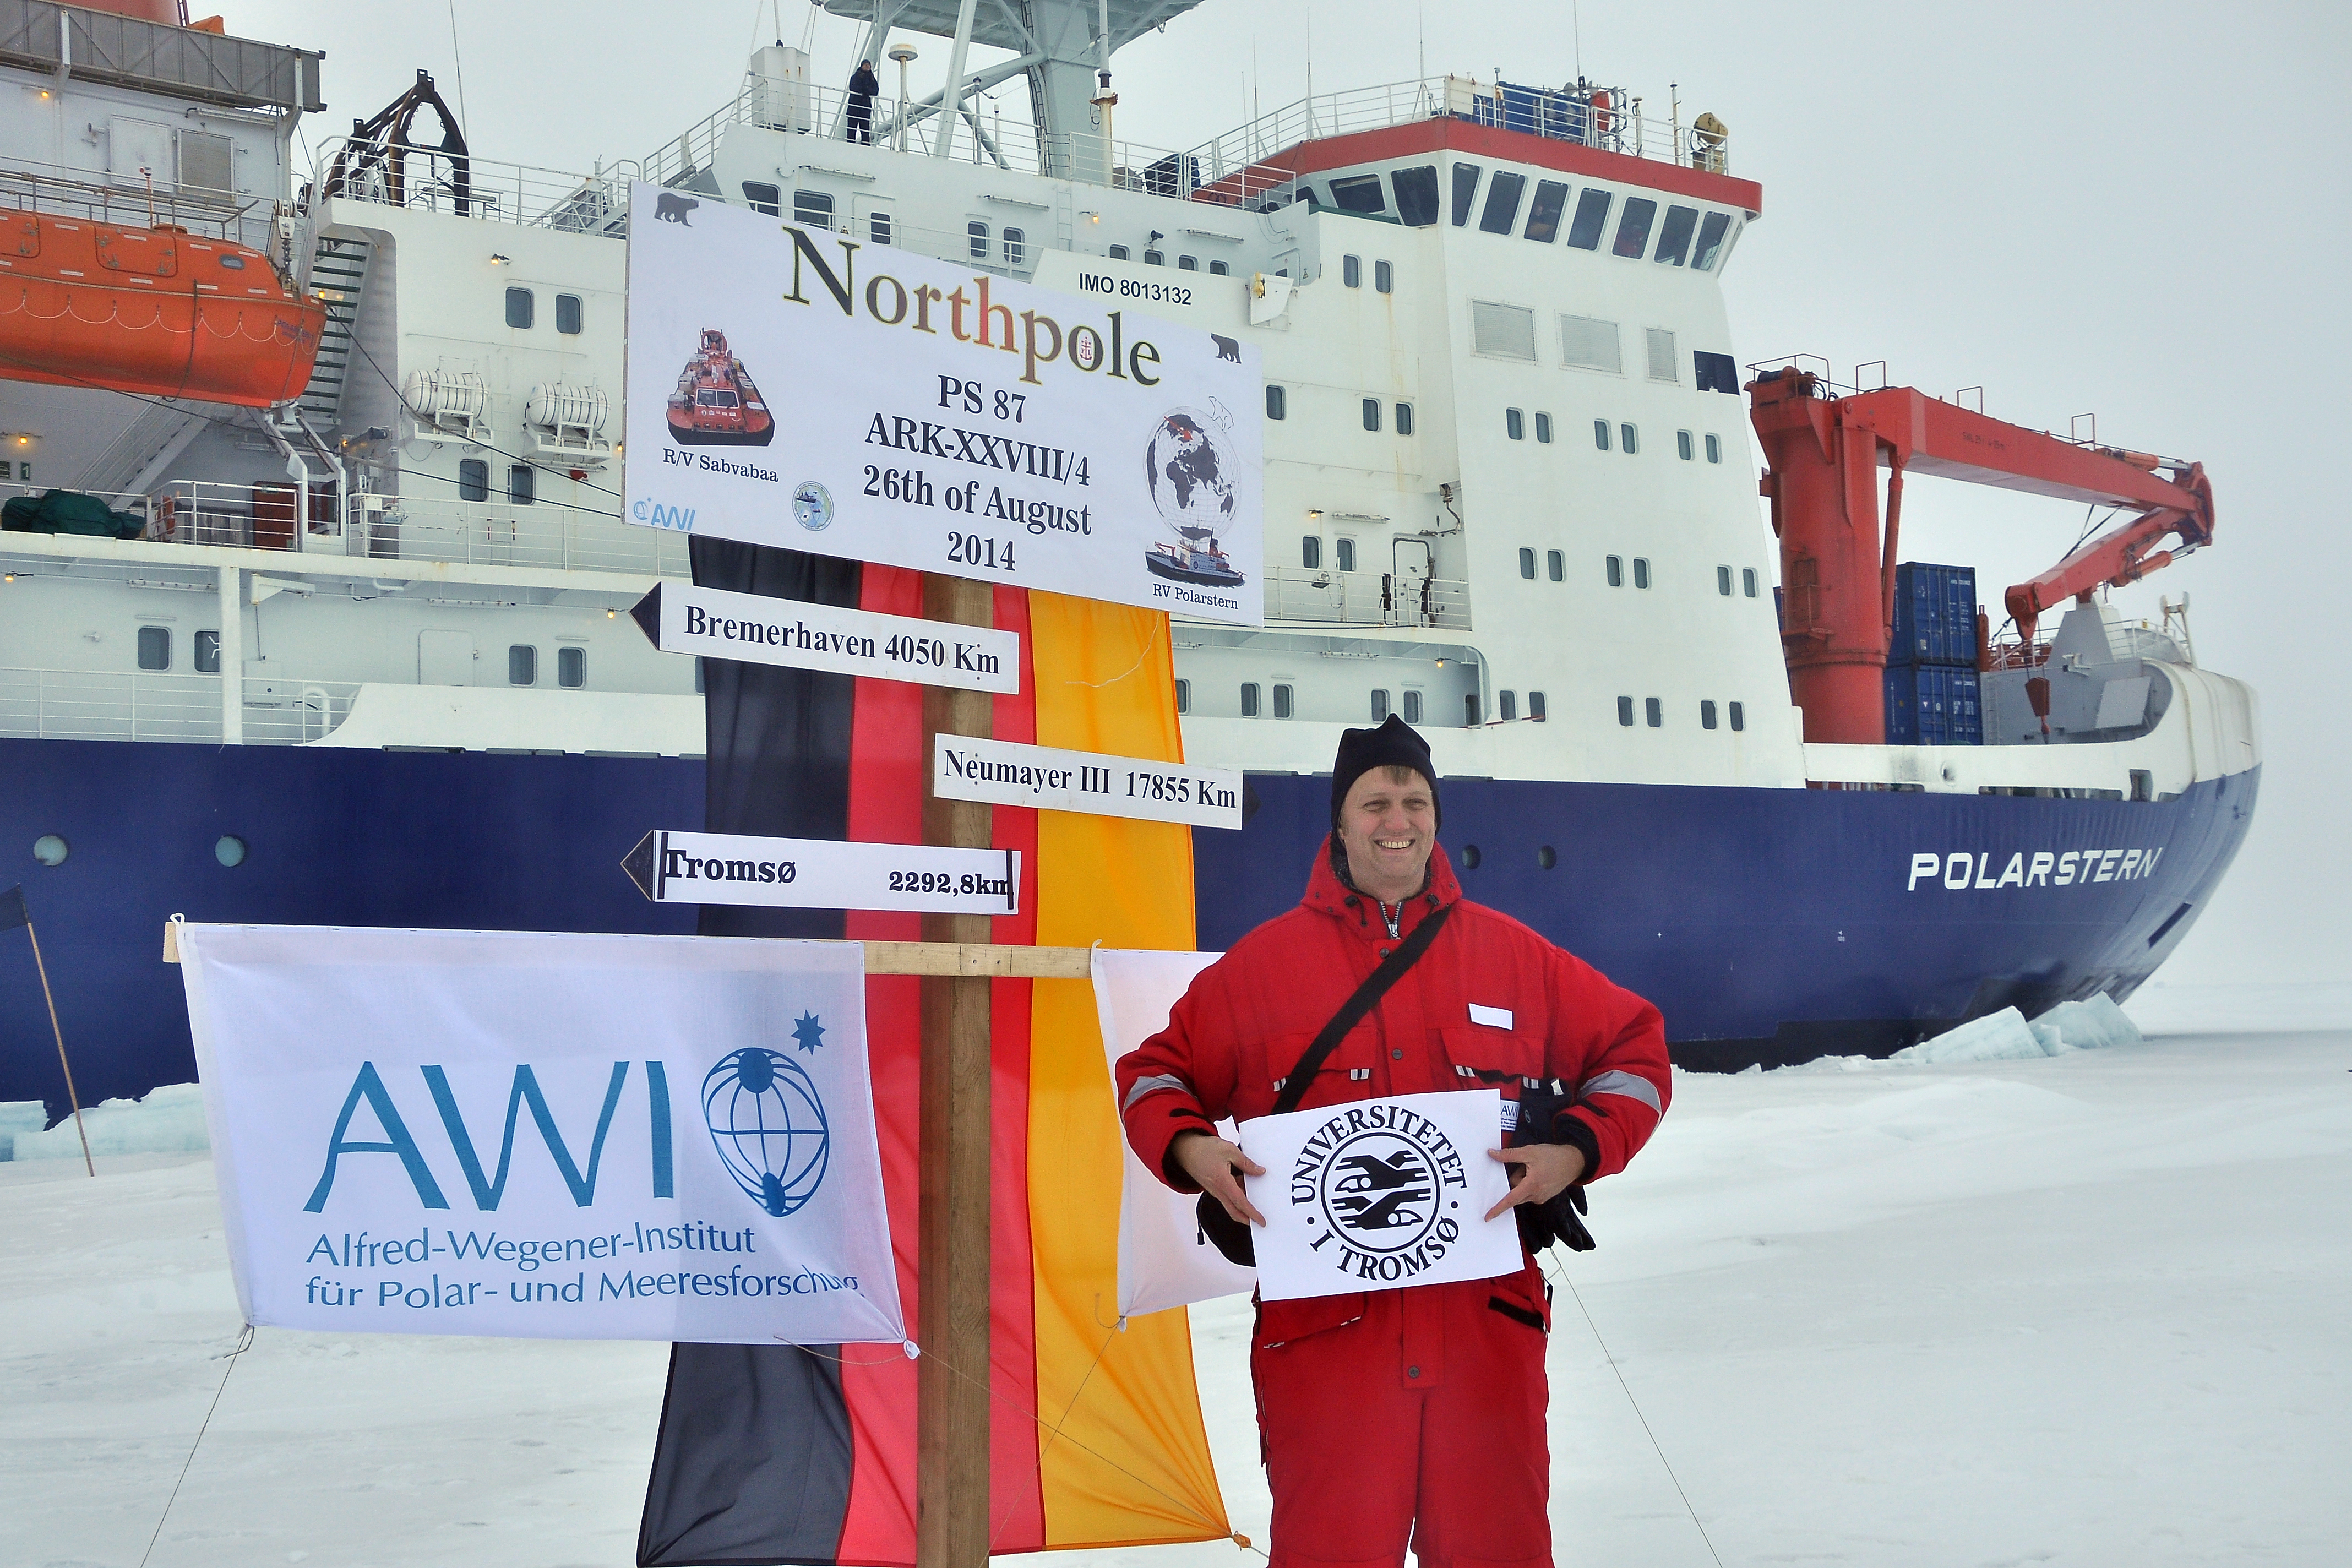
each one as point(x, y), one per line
point(1394, 745)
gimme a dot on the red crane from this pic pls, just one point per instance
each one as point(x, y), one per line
point(1838, 578)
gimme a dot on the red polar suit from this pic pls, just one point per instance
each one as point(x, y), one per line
point(1417, 1412)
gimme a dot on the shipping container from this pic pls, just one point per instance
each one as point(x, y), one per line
point(1933, 705)
point(1935, 615)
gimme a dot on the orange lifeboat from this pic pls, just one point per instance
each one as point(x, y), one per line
point(154, 310)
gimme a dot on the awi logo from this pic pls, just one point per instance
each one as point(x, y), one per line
point(768, 1124)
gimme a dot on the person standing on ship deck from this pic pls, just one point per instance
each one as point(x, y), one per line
point(1413, 1414)
point(862, 85)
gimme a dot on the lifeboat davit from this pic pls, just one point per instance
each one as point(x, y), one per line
point(714, 403)
point(154, 310)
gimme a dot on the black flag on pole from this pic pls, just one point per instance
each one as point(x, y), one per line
point(13, 912)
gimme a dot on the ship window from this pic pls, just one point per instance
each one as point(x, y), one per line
point(1748, 581)
point(1655, 712)
point(1714, 449)
point(1590, 344)
point(571, 667)
point(1249, 699)
point(814, 208)
point(1372, 413)
point(7, 472)
point(1506, 707)
point(1412, 706)
point(763, 198)
point(1218, 270)
point(1723, 581)
point(1543, 217)
point(1683, 444)
point(1543, 428)
point(1119, 253)
point(1503, 192)
point(1310, 553)
point(1343, 554)
point(1384, 277)
point(1155, 258)
point(1738, 716)
point(522, 664)
point(1186, 264)
point(1633, 227)
point(1465, 187)
point(208, 652)
point(976, 234)
point(1707, 715)
point(1556, 565)
point(1527, 563)
point(1281, 699)
point(519, 308)
point(706, 399)
point(567, 314)
point(1710, 240)
point(1615, 567)
point(1277, 404)
point(1601, 434)
point(1641, 572)
point(1358, 193)
point(1662, 354)
point(1015, 247)
point(1470, 718)
point(1506, 331)
point(473, 479)
point(1535, 706)
point(1183, 696)
point(522, 484)
point(51, 849)
point(1379, 706)
point(1351, 271)
point(1625, 712)
point(229, 849)
point(1716, 373)
point(154, 648)
point(877, 227)
point(1591, 217)
point(1673, 240)
point(1628, 439)
point(1416, 195)
point(1515, 424)
point(1470, 857)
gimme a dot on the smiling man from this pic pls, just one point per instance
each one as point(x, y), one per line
point(1412, 1416)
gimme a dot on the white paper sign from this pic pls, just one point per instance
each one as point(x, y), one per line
point(543, 1136)
point(1163, 1259)
point(823, 874)
point(1008, 772)
point(798, 387)
point(1379, 1194)
point(679, 617)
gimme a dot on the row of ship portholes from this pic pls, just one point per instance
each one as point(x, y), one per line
point(1546, 856)
point(53, 849)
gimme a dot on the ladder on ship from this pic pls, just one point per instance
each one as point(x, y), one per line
point(339, 272)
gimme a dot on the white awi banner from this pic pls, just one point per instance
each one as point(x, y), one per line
point(550, 1136)
point(1379, 1193)
point(797, 387)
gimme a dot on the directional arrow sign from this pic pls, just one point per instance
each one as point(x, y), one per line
point(823, 874)
point(678, 618)
point(1005, 773)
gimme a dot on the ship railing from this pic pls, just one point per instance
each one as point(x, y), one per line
point(153, 705)
point(2032, 652)
point(465, 185)
point(541, 535)
point(1302, 596)
point(95, 195)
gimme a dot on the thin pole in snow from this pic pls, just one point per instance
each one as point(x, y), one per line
point(71, 1098)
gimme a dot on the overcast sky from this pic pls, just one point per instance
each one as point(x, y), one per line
point(2136, 210)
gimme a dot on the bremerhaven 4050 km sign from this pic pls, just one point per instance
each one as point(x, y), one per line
point(797, 387)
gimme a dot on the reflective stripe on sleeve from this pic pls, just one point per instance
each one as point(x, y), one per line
point(1632, 1086)
point(1153, 1085)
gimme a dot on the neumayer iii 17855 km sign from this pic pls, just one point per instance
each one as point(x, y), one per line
point(795, 386)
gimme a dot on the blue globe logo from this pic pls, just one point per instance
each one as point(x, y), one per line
point(768, 1127)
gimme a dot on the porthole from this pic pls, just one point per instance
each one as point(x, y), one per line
point(1547, 857)
point(1654, 711)
point(51, 849)
point(229, 849)
point(1625, 712)
point(1470, 857)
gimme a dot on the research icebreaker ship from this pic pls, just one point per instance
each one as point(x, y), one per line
point(332, 626)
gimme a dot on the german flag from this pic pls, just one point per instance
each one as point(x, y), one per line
point(790, 1454)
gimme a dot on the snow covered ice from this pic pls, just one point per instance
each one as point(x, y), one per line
point(2083, 1308)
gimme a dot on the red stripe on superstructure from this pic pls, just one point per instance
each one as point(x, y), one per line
point(1449, 135)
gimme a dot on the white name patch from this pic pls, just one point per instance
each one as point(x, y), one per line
point(1498, 1017)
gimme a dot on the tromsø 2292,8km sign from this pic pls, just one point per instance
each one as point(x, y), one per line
point(798, 387)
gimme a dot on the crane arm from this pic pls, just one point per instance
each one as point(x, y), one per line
point(2122, 554)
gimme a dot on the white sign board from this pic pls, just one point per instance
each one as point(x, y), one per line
point(1006, 773)
point(1164, 1260)
point(823, 874)
point(1379, 1193)
point(679, 617)
point(543, 1136)
point(798, 387)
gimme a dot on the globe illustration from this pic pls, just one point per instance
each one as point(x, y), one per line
point(1189, 471)
point(768, 1127)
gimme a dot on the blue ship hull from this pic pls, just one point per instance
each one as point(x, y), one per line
point(1768, 925)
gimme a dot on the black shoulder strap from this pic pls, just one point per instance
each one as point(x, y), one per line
point(1351, 1012)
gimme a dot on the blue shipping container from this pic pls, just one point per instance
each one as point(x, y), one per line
point(1933, 705)
point(1935, 615)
